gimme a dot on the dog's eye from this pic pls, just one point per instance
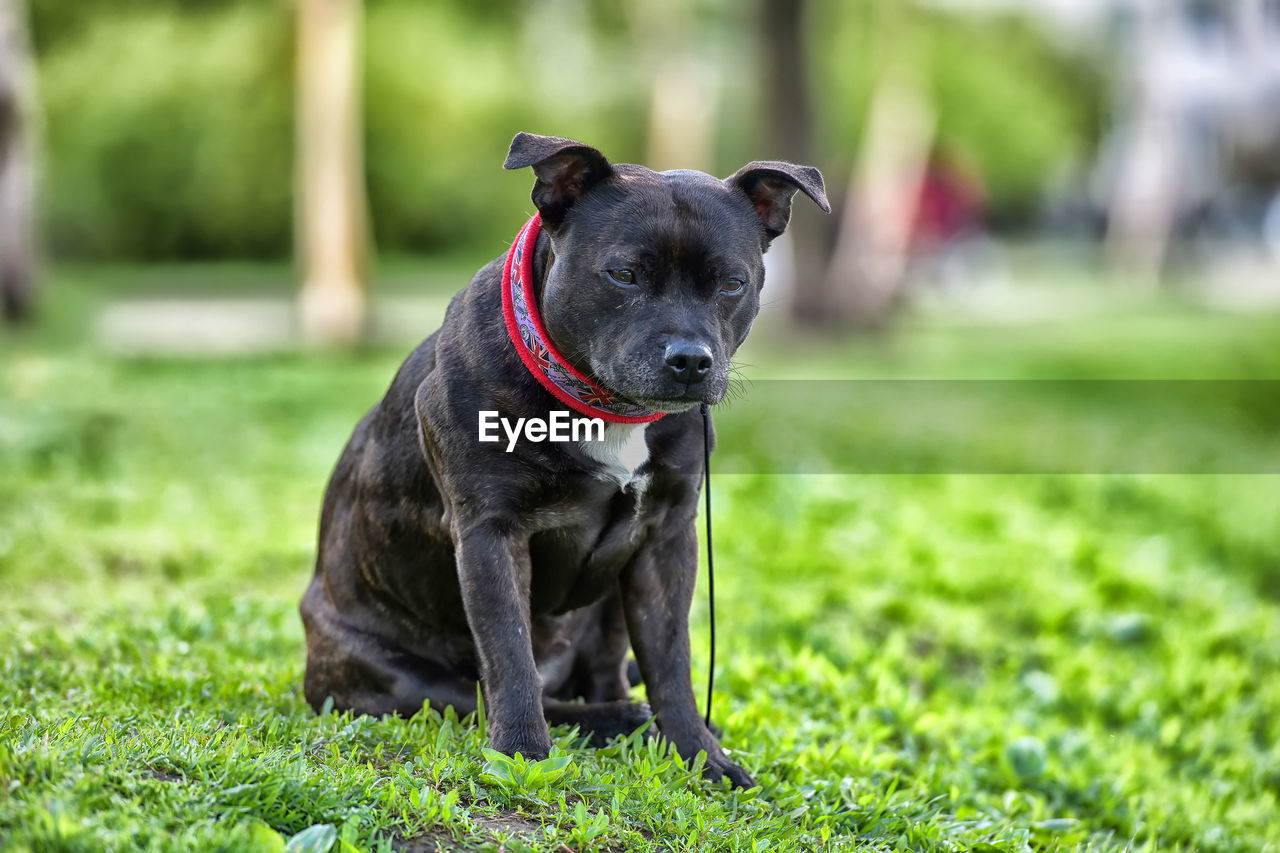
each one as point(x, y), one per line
point(623, 277)
point(732, 287)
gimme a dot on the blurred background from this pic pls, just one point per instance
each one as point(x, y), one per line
point(343, 158)
point(224, 223)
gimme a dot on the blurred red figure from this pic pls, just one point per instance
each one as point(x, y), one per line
point(948, 221)
point(950, 206)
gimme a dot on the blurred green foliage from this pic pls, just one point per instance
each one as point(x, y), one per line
point(446, 90)
point(169, 134)
point(169, 124)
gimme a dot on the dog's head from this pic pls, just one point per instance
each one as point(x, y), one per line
point(656, 277)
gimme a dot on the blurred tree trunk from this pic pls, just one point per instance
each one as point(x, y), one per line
point(869, 265)
point(788, 112)
point(17, 164)
point(330, 213)
point(858, 281)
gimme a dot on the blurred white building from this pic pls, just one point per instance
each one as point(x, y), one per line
point(1193, 146)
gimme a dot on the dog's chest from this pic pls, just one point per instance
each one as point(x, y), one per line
point(621, 454)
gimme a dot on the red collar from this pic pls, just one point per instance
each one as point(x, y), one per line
point(529, 336)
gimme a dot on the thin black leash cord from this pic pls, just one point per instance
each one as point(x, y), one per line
point(711, 576)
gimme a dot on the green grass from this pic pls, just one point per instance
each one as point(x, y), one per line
point(919, 662)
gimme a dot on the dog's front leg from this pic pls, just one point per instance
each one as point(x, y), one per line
point(657, 593)
point(494, 571)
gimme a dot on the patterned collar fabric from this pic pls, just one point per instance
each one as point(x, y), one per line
point(529, 336)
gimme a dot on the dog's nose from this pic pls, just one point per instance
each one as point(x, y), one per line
point(688, 362)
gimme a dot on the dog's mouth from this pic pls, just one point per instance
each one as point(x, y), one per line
point(668, 406)
point(647, 386)
point(675, 404)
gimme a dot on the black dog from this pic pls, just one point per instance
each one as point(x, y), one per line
point(533, 565)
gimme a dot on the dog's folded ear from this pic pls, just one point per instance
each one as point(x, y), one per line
point(770, 185)
point(565, 170)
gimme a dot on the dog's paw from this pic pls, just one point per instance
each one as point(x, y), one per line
point(532, 745)
point(626, 717)
point(601, 721)
point(720, 767)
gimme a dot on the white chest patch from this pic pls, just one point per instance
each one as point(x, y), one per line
point(621, 453)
